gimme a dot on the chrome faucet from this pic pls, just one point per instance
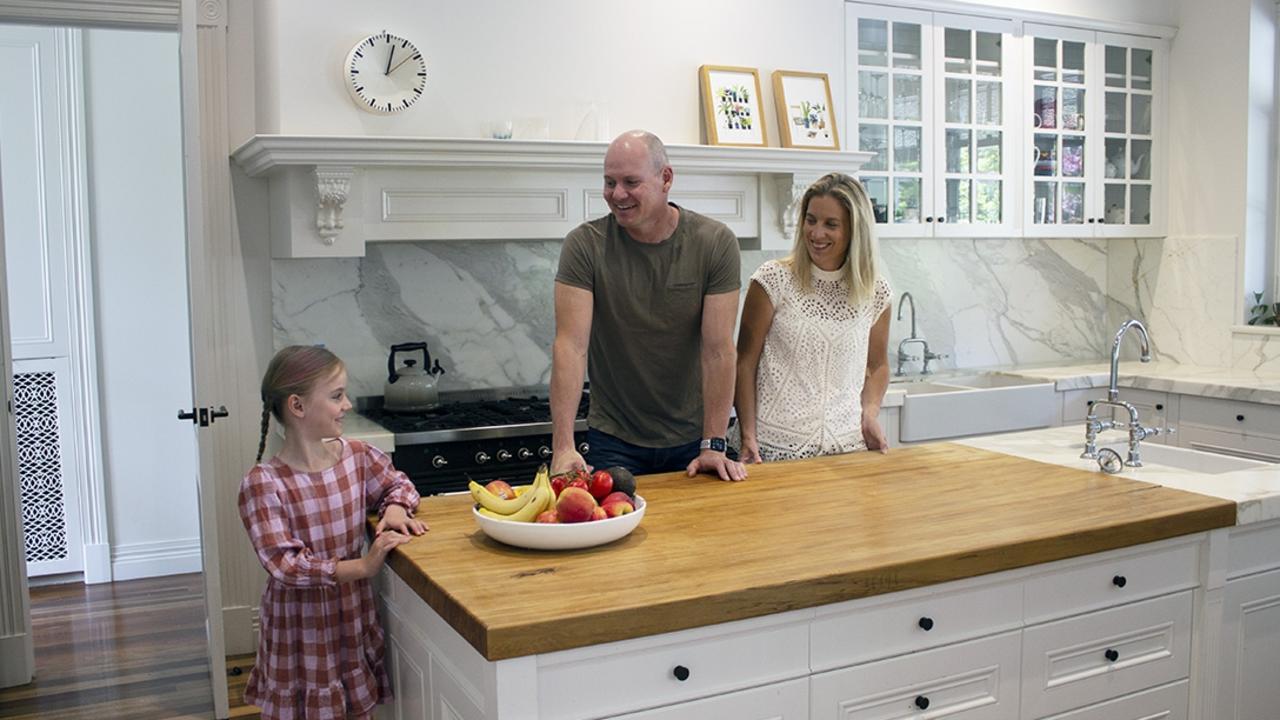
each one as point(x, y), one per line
point(903, 357)
point(1137, 433)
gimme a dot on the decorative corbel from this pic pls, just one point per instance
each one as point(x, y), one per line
point(791, 189)
point(333, 184)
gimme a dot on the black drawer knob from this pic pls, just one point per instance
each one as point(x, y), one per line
point(922, 702)
point(1239, 418)
point(1111, 655)
point(1119, 581)
point(681, 672)
point(925, 623)
point(1159, 406)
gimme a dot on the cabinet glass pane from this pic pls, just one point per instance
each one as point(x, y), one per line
point(1114, 201)
point(958, 51)
point(990, 110)
point(873, 42)
point(1140, 205)
point(1073, 62)
point(1045, 107)
point(1140, 159)
point(1045, 204)
point(958, 155)
point(1117, 164)
point(1141, 117)
point(1073, 156)
point(957, 201)
point(1117, 66)
point(958, 106)
point(906, 200)
point(1141, 69)
point(990, 61)
point(1072, 108)
point(1073, 203)
point(873, 94)
point(1115, 115)
point(906, 97)
point(874, 139)
point(1046, 155)
point(989, 160)
point(906, 148)
point(1046, 60)
point(987, 202)
point(878, 191)
point(906, 46)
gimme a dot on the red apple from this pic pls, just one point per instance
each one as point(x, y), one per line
point(558, 482)
point(601, 484)
point(501, 488)
point(548, 516)
point(579, 483)
point(618, 507)
point(575, 505)
point(599, 514)
point(615, 496)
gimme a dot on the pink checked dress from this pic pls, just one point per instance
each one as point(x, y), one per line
point(320, 646)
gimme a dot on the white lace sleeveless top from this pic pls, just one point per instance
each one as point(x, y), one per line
point(811, 372)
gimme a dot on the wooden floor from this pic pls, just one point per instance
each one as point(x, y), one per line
point(133, 649)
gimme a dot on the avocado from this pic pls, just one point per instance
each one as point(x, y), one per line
point(623, 480)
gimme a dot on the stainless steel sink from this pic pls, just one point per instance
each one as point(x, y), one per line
point(974, 404)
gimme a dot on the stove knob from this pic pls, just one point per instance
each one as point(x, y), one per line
point(584, 448)
point(439, 461)
point(503, 456)
point(524, 453)
point(482, 457)
point(544, 452)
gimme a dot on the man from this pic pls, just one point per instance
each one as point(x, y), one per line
point(648, 294)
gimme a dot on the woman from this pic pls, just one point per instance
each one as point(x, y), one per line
point(812, 349)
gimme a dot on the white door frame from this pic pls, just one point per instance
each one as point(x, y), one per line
point(200, 24)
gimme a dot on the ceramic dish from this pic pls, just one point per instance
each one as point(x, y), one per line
point(547, 536)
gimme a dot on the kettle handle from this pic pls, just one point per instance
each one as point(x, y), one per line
point(404, 348)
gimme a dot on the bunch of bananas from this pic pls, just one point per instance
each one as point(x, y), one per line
point(524, 507)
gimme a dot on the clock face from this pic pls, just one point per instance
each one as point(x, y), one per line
point(385, 73)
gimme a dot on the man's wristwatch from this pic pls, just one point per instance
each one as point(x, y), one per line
point(716, 444)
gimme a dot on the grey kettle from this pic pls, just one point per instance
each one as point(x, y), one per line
point(410, 388)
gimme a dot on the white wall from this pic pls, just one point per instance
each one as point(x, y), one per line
point(137, 224)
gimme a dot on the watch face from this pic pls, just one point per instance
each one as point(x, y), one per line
point(385, 73)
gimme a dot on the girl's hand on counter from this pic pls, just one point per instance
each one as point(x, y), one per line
point(395, 517)
point(382, 544)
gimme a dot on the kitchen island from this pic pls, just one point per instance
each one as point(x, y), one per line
point(849, 586)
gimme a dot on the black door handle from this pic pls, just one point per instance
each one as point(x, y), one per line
point(187, 415)
point(221, 412)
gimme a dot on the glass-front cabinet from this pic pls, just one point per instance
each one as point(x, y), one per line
point(1094, 160)
point(930, 95)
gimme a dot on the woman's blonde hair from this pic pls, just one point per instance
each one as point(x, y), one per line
point(862, 259)
point(293, 371)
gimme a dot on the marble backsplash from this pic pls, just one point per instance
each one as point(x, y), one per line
point(485, 308)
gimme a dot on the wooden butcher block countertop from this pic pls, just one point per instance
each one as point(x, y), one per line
point(794, 535)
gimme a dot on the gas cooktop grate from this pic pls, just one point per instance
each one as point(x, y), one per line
point(465, 415)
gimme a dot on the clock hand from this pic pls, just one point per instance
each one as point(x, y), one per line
point(397, 67)
point(390, 55)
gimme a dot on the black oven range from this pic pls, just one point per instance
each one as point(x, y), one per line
point(472, 435)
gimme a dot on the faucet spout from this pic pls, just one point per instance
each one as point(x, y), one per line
point(1113, 392)
point(906, 296)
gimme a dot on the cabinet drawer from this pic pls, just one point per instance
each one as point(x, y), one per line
point(976, 680)
point(780, 701)
point(1119, 578)
point(1094, 657)
point(1226, 442)
point(647, 672)
point(1167, 702)
point(860, 631)
point(1253, 548)
point(1232, 415)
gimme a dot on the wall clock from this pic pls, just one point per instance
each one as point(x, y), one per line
point(385, 73)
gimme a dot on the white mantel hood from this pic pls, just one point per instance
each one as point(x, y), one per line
point(476, 189)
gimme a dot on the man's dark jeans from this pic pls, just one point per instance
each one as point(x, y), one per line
point(607, 451)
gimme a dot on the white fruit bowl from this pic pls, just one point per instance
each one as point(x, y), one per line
point(569, 536)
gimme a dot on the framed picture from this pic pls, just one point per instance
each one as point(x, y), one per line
point(805, 114)
point(731, 105)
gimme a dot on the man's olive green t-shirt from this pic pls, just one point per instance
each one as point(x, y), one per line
point(644, 357)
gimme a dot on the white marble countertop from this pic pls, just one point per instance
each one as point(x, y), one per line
point(359, 427)
point(1255, 491)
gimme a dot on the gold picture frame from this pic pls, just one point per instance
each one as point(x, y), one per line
point(731, 106)
point(806, 116)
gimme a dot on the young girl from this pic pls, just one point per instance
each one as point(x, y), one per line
point(320, 645)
